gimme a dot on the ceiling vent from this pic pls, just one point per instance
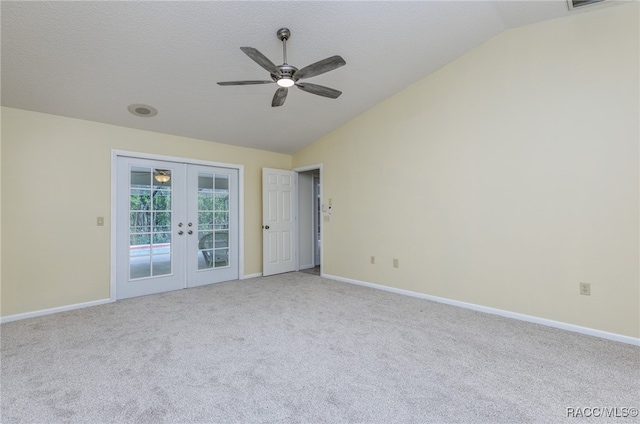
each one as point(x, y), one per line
point(576, 4)
point(143, 111)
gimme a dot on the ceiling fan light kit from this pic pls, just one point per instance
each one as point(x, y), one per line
point(285, 82)
point(286, 76)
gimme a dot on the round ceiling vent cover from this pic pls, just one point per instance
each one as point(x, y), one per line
point(144, 111)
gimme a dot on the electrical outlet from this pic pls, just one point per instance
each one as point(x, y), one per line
point(373, 260)
point(395, 263)
point(585, 289)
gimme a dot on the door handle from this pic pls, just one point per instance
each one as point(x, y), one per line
point(266, 227)
point(180, 232)
point(189, 232)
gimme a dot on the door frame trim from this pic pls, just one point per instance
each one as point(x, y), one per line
point(318, 167)
point(115, 153)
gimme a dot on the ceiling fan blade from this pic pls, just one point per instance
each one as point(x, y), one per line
point(279, 97)
point(261, 60)
point(325, 65)
point(245, 82)
point(319, 90)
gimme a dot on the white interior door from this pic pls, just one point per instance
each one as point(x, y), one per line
point(278, 221)
point(177, 226)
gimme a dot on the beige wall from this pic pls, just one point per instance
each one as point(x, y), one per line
point(503, 179)
point(56, 176)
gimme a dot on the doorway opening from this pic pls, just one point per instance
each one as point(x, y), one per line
point(310, 219)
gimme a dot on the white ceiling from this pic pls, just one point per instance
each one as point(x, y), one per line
point(90, 60)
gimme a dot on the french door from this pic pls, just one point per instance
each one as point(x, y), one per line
point(177, 226)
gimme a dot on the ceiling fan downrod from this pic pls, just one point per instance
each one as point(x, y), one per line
point(283, 35)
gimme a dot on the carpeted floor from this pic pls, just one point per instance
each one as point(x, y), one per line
point(313, 271)
point(298, 348)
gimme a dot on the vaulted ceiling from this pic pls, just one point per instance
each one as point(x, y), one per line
point(90, 60)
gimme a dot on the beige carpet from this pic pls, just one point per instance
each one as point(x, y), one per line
point(297, 348)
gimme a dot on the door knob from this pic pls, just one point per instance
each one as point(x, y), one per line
point(180, 224)
point(190, 224)
point(266, 227)
point(180, 232)
point(189, 232)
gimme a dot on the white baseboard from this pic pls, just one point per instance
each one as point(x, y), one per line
point(33, 314)
point(508, 314)
point(308, 266)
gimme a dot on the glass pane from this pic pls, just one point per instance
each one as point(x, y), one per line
point(162, 238)
point(140, 200)
point(205, 247)
point(222, 239)
point(140, 222)
point(150, 222)
point(221, 220)
point(161, 264)
point(205, 201)
point(205, 259)
point(221, 257)
point(139, 244)
point(139, 267)
point(205, 240)
point(213, 221)
point(162, 200)
point(161, 221)
point(222, 183)
point(222, 201)
point(160, 249)
point(161, 179)
point(205, 220)
point(140, 177)
point(205, 182)
point(205, 192)
point(222, 193)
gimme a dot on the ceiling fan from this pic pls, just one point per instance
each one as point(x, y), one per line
point(287, 76)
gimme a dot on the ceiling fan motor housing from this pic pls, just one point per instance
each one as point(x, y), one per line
point(286, 71)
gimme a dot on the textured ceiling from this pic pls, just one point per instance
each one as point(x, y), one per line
point(90, 60)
